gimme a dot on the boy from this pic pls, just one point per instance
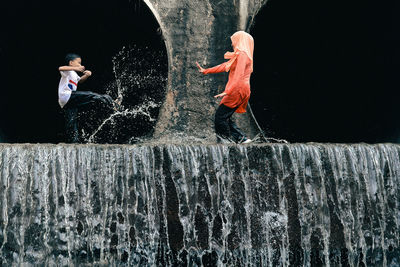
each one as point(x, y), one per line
point(70, 99)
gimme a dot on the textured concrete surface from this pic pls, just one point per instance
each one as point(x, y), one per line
point(199, 205)
point(198, 31)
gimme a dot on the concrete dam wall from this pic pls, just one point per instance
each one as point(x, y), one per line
point(193, 205)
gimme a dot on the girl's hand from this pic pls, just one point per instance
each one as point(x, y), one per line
point(220, 95)
point(199, 67)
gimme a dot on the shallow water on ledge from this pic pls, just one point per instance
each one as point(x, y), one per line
point(200, 205)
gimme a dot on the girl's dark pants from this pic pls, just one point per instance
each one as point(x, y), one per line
point(224, 126)
point(78, 100)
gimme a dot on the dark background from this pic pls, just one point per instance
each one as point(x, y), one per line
point(324, 71)
point(36, 36)
point(327, 71)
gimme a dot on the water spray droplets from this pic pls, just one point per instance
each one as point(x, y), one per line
point(138, 89)
point(141, 110)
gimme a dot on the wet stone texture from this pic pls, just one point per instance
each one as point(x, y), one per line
point(200, 205)
point(198, 31)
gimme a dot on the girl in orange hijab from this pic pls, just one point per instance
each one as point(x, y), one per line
point(237, 90)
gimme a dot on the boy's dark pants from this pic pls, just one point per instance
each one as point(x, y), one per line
point(80, 99)
point(224, 125)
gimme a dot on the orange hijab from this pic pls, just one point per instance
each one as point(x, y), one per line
point(241, 41)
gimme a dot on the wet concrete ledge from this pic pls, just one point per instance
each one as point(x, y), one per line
point(176, 204)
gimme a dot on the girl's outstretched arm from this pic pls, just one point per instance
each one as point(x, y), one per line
point(200, 67)
point(216, 69)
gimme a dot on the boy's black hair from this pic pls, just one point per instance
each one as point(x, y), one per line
point(71, 56)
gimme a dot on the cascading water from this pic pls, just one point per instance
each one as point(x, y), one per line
point(243, 14)
point(200, 205)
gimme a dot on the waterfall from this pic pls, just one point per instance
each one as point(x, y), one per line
point(200, 205)
point(243, 14)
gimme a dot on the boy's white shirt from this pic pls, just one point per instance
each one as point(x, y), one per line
point(68, 83)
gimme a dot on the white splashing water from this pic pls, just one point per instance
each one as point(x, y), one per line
point(143, 109)
point(139, 87)
point(200, 205)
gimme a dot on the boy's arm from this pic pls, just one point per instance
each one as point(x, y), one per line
point(86, 74)
point(68, 68)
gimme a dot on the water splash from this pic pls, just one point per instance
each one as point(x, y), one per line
point(140, 75)
point(139, 85)
point(112, 121)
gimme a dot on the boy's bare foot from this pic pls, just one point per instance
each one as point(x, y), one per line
point(117, 103)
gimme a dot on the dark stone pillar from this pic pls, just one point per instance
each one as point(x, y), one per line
point(197, 31)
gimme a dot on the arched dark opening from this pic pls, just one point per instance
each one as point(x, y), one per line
point(327, 72)
point(120, 42)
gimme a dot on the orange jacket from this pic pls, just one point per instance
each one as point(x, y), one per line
point(238, 87)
